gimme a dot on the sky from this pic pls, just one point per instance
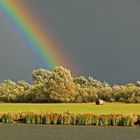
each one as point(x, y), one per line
point(100, 37)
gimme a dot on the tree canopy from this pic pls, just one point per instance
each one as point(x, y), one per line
point(59, 86)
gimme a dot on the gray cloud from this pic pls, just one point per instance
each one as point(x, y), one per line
point(102, 38)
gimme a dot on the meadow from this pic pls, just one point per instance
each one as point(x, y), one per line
point(81, 108)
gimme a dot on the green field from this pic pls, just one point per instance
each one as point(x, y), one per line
point(72, 108)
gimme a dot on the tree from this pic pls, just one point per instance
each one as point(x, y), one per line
point(55, 86)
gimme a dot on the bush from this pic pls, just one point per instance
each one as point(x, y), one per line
point(95, 120)
point(125, 120)
point(67, 119)
point(7, 118)
point(38, 118)
point(105, 120)
point(46, 118)
point(115, 119)
point(54, 118)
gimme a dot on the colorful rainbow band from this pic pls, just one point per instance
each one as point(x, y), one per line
point(31, 32)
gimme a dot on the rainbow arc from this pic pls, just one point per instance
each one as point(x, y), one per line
point(19, 17)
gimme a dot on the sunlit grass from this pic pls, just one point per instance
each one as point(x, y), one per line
point(72, 108)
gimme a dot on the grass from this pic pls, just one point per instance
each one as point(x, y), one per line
point(72, 108)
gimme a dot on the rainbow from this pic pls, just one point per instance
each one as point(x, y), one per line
point(18, 16)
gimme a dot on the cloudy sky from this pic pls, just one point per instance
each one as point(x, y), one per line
point(101, 38)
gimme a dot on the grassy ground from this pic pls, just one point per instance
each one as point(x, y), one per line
point(72, 108)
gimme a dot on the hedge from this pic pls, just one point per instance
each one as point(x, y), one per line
point(71, 119)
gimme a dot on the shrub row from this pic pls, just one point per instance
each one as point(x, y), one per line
point(59, 86)
point(71, 119)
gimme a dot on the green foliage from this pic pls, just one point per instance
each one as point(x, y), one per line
point(72, 119)
point(115, 119)
point(7, 118)
point(38, 118)
point(105, 120)
point(95, 120)
point(54, 118)
point(58, 86)
point(125, 120)
point(66, 119)
point(46, 118)
point(27, 118)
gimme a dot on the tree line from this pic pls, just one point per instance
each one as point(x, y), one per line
point(59, 86)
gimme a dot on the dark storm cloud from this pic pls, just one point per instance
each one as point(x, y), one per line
point(101, 37)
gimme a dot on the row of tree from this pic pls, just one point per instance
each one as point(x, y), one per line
point(58, 86)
